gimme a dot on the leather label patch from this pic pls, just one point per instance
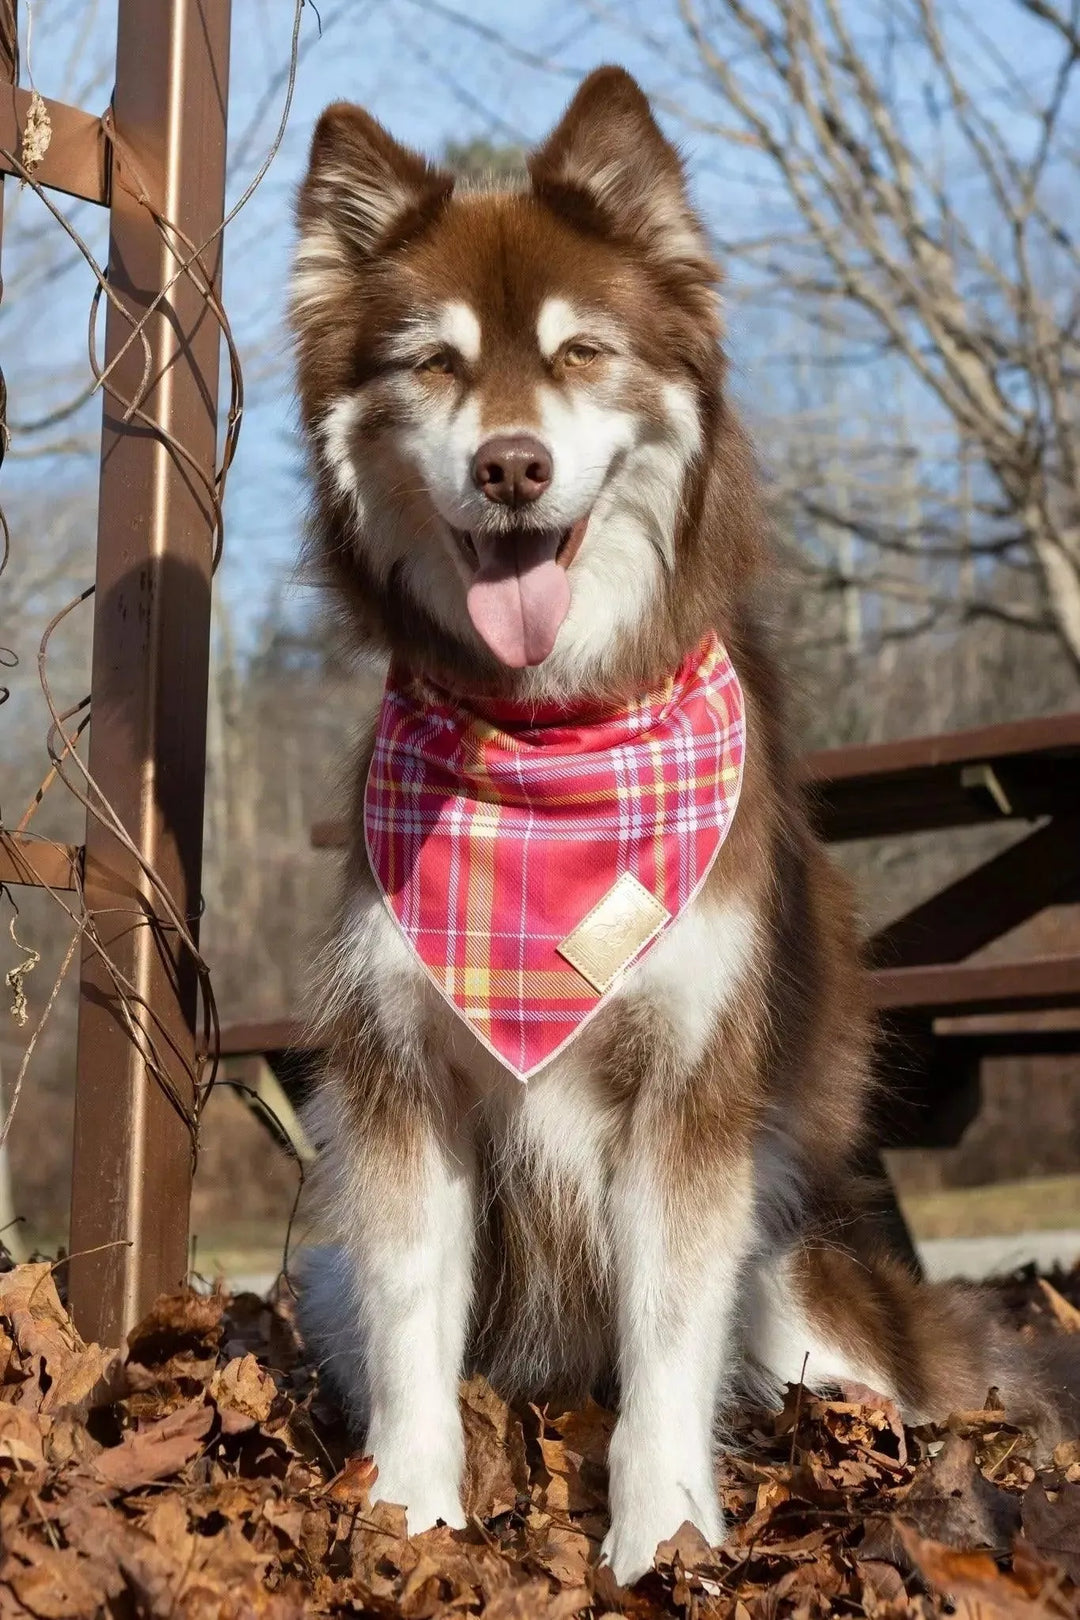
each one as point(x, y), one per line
point(608, 937)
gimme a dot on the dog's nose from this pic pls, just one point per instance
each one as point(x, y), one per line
point(512, 469)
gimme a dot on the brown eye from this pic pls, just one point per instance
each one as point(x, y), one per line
point(580, 354)
point(440, 364)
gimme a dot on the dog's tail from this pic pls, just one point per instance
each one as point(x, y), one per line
point(330, 1324)
point(826, 1316)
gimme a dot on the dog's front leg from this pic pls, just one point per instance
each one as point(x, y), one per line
point(682, 1228)
point(410, 1237)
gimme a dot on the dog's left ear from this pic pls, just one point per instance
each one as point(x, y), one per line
point(608, 167)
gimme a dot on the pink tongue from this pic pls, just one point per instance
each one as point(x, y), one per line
point(520, 595)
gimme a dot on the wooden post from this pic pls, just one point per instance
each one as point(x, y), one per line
point(131, 1178)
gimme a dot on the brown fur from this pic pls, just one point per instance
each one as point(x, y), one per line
point(793, 1056)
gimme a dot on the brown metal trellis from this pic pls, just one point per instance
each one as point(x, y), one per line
point(157, 161)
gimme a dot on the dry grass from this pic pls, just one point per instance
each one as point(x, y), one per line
point(1037, 1204)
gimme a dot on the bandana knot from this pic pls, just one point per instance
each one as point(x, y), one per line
point(531, 857)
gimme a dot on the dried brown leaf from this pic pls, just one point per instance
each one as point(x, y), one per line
point(171, 1571)
point(157, 1450)
point(351, 1488)
point(1066, 1315)
point(229, 1498)
point(1052, 1525)
point(975, 1587)
point(883, 1581)
point(885, 1418)
point(22, 1437)
point(951, 1502)
point(49, 1363)
point(287, 1518)
point(563, 1552)
point(574, 1449)
point(377, 1545)
point(469, 1563)
point(58, 1585)
point(535, 1601)
point(687, 1546)
point(244, 1393)
point(177, 1324)
point(68, 1440)
point(587, 1430)
point(1067, 1454)
point(496, 1472)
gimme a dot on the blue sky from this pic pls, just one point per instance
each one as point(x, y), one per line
point(430, 77)
point(378, 54)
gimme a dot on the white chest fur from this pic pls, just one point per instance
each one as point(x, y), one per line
point(689, 977)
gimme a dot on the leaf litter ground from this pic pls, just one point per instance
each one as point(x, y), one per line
point(200, 1471)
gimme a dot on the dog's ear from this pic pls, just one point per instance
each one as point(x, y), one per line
point(363, 193)
point(608, 168)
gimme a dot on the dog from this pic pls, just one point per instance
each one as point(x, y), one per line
point(531, 496)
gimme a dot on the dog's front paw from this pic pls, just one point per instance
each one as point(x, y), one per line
point(639, 1525)
point(425, 1501)
point(428, 1487)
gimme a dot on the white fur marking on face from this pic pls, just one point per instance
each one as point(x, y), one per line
point(557, 322)
point(335, 433)
point(454, 326)
point(461, 330)
point(584, 435)
point(631, 533)
point(685, 420)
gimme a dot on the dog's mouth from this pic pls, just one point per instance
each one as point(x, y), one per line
point(519, 594)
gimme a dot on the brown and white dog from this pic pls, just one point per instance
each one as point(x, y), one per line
point(667, 1210)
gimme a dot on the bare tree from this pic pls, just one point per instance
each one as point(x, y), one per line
point(912, 166)
point(930, 181)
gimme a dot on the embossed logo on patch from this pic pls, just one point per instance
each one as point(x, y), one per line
point(610, 935)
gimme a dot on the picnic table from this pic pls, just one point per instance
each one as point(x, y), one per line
point(940, 1013)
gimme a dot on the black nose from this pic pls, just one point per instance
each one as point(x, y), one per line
point(512, 469)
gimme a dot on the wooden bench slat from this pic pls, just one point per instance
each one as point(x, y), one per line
point(37, 862)
point(956, 989)
point(952, 989)
point(876, 790)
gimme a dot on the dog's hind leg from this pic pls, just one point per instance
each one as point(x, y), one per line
point(678, 1246)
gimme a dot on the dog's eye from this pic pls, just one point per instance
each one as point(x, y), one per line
point(579, 354)
point(441, 363)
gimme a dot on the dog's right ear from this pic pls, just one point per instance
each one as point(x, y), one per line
point(363, 193)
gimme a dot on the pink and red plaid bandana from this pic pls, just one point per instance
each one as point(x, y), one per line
point(530, 858)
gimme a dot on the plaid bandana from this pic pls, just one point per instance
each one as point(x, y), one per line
point(530, 858)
